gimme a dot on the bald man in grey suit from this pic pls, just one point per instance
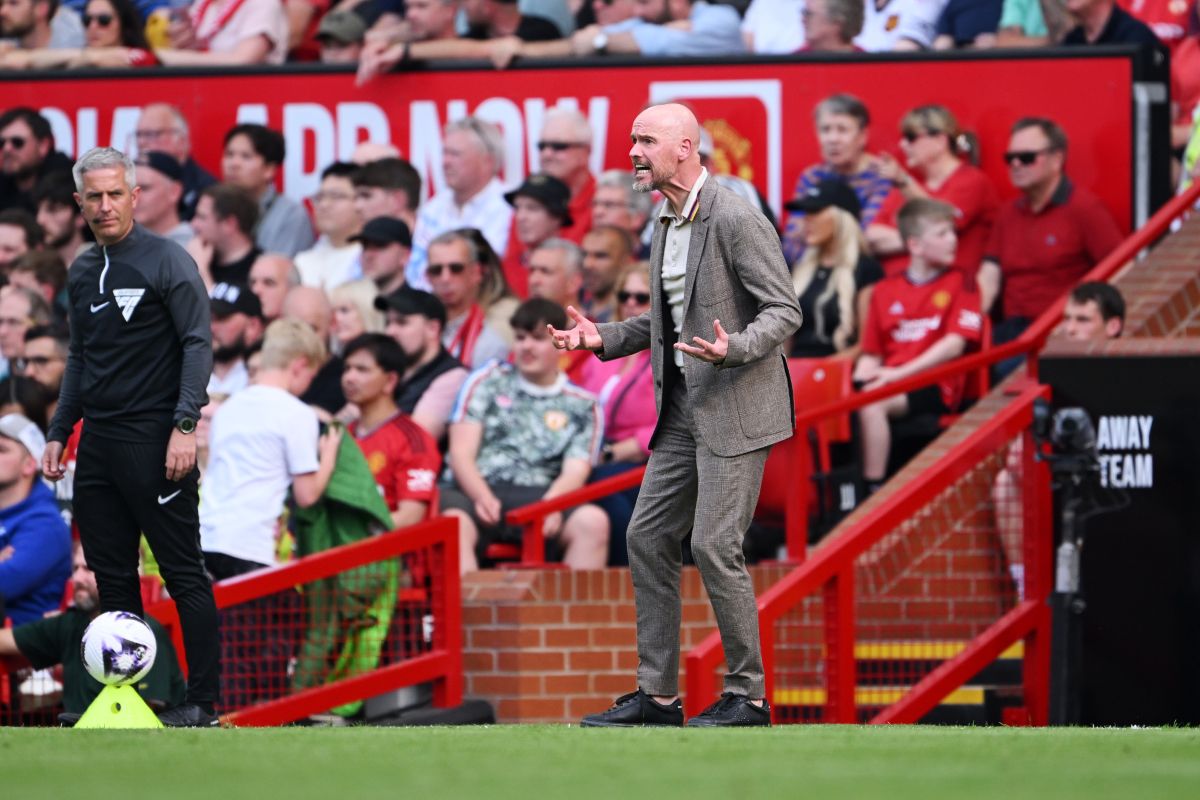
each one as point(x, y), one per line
point(722, 296)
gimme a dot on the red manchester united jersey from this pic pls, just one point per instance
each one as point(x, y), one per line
point(907, 318)
point(403, 458)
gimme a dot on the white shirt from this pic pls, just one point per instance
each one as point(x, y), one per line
point(776, 25)
point(235, 380)
point(675, 255)
point(325, 266)
point(899, 19)
point(261, 438)
point(488, 211)
point(255, 18)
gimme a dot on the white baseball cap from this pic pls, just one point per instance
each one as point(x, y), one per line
point(22, 429)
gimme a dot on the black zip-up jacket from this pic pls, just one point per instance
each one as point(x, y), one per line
point(141, 341)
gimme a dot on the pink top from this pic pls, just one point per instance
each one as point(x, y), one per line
point(627, 400)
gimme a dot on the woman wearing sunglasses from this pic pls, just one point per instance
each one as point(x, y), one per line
point(114, 36)
point(833, 278)
point(940, 156)
point(625, 387)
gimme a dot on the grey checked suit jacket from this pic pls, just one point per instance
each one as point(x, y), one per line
point(735, 273)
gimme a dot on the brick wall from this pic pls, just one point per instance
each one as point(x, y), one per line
point(1162, 292)
point(553, 645)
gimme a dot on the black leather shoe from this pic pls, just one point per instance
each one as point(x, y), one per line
point(733, 711)
point(188, 715)
point(67, 719)
point(636, 710)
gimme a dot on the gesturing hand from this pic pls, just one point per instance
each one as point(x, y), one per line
point(584, 336)
point(713, 352)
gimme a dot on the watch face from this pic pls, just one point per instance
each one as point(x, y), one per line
point(186, 425)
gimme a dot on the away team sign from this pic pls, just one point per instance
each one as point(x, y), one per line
point(760, 114)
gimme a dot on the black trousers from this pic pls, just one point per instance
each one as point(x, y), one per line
point(121, 492)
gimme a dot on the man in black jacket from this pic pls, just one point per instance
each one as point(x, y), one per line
point(139, 360)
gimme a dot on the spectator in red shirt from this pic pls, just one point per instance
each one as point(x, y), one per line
point(939, 152)
point(403, 458)
point(921, 318)
point(564, 148)
point(1048, 238)
point(540, 212)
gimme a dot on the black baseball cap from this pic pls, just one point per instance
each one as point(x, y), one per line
point(161, 162)
point(547, 190)
point(825, 194)
point(407, 300)
point(233, 298)
point(384, 230)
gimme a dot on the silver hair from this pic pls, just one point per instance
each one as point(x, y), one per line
point(460, 235)
point(488, 135)
point(574, 253)
point(578, 122)
point(639, 202)
point(103, 158)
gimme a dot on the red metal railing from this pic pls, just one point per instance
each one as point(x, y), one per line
point(878, 580)
point(279, 666)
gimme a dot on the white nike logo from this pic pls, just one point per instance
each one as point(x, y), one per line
point(96, 308)
point(162, 501)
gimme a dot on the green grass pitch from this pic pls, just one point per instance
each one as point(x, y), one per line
point(536, 762)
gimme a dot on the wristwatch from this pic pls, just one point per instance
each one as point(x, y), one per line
point(186, 425)
point(600, 42)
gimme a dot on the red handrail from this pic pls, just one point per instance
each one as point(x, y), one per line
point(831, 568)
point(442, 664)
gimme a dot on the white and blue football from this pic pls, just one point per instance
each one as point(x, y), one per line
point(118, 648)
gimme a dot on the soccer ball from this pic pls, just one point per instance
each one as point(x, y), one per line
point(118, 648)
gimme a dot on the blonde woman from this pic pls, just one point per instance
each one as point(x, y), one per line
point(833, 277)
point(354, 312)
point(943, 158)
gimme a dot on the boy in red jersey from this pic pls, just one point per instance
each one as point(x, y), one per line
point(921, 318)
point(403, 458)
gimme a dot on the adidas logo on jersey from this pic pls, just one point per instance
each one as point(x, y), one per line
point(127, 300)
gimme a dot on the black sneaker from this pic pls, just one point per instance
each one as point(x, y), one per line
point(67, 719)
point(733, 711)
point(188, 715)
point(636, 710)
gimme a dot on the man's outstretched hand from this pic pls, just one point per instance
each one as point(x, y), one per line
point(713, 352)
point(584, 336)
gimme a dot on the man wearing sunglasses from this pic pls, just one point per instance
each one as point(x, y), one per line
point(456, 276)
point(564, 148)
point(27, 155)
point(1044, 241)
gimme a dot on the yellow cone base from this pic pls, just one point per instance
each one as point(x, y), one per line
point(118, 707)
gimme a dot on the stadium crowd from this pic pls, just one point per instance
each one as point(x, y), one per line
point(415, 328)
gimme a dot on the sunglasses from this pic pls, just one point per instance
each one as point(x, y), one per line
point(435, 270)
point(16, 141)
point(1025, 157)
point(912, 136)
point(642, 298)
point(558, 147)
point(103, 20)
